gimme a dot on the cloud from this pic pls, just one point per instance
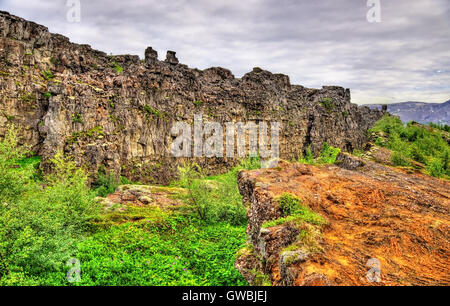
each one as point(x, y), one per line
point(316, 43)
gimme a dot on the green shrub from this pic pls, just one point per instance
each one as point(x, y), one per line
point(216, 198)
point(39, 227)
point(76, 118)
point(288, 204)
point(443, 127)
point(415, 142)
point(48, 75)
point(308, 159)
point(436, 167)
point(327, 103)
point(105, 184)
point(189, 253)
point(399, 159)
point(328, 154)
point(117, 67)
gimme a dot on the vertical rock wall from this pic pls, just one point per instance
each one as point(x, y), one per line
point(117, 111)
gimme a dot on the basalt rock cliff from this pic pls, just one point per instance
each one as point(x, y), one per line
point(117, 111)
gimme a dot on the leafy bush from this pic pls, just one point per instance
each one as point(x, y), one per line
point(216, 198)
point(106, 183)
point(416, 142)
point(436, 167)
point(308, 159)
point(288, 204)
point(39, 227)
point(328, 154)
point(117, 67)
point(191, 253)
point(399, 159)
point(443, 127)
point(327, 103)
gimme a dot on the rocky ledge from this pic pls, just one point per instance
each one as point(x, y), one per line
point(358, 223)
point(116, 112)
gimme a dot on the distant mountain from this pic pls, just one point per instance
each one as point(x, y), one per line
point(419, 111)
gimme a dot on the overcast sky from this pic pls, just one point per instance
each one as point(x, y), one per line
point(405, 57)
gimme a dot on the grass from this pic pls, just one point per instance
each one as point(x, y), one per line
point(167, 249)
point(77, 118)
point(294, 211)
point(328, 104)
point(150, 246)
point(117, 68)
point(307, 221)
point(327, 155)
point(150, 111)
point(48, 75)
point(414, 142)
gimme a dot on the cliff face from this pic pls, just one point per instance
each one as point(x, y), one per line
point(378, 226)
point(118, 111)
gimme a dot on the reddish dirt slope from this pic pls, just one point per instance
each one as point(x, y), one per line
point(373, 212)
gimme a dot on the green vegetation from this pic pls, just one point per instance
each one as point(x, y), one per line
point(47, 219)
point(307, 240)
point(28, 98)
point(48, 75)
point(105, 184)
point(47, 95)
point(327, 155)
point(217, 198)
point(293, 211)
point(415, 142)
point(95, 132)
point(443, 127)
point(117, 67)
point(328, 104)
point(54, 61)
point(198, 103)
point(76, 118)
point(39, 227)
point(288, 204)
point(150, 111)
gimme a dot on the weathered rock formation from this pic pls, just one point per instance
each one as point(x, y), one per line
point(383, 226)
point(117, 111)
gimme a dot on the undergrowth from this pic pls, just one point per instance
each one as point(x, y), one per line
point(414, 142)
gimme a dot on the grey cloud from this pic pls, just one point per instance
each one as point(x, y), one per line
point(315, 42)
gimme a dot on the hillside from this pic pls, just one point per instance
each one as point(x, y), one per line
point(419, 111)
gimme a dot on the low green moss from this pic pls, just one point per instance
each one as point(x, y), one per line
point(293, 211)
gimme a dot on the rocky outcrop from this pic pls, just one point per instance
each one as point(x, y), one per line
point(117, 111)
point(370, 225)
